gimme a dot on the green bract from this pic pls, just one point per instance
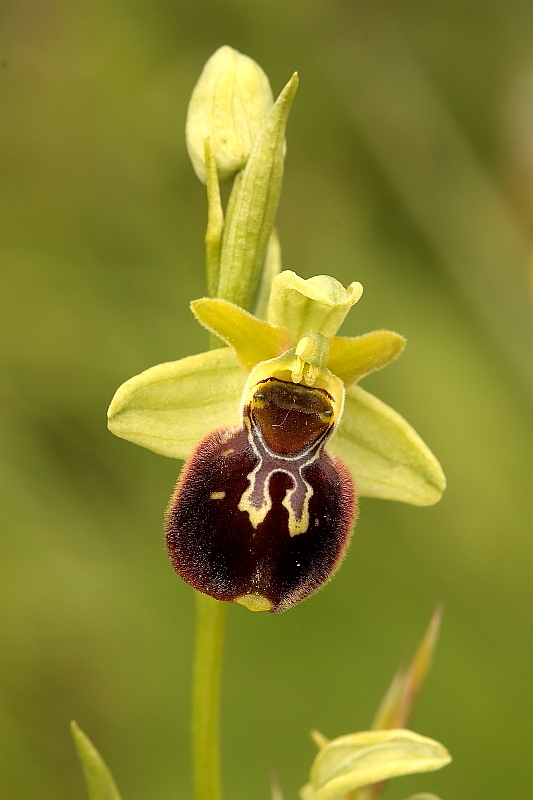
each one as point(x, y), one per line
point(252, 206)
point(170, 407)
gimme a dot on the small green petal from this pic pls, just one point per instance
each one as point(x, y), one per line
point(100, 783)
point(252, 339)
point(317, 304)
point(385, 455)
point(351, 358)
point(168, 408)
point(359, 759)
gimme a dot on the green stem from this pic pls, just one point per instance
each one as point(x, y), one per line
point(210, 630)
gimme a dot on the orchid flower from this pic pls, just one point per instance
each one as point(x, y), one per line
point(278, 438)
point(280, 441)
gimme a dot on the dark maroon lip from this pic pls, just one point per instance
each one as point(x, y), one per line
point(214, 546)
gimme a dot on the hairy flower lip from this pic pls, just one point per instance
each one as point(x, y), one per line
point(225, 542)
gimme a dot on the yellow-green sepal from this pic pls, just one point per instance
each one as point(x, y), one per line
point(351, 358)
point(170, 407)
point(350, 762)
point(317, 304)
point(100, 783)
point(385, 455)
point(252, 339)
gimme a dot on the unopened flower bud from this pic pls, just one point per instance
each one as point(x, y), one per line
point(228, 106)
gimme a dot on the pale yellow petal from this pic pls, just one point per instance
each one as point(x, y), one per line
point(351, 358)
point(252, 339)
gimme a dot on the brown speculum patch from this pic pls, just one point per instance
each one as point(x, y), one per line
point(263, 510)
point(291, 417)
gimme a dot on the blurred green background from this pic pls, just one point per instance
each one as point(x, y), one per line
point(409, 168)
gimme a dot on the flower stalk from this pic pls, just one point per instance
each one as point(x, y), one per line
point(211, 616)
